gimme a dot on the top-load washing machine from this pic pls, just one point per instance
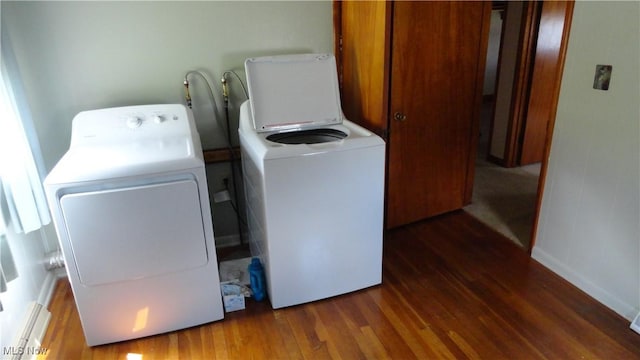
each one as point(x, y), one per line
point(314, 182)
point(130, 205)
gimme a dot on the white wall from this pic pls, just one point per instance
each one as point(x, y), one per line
point(504, 91)
point(589, 229)
point(76, 56)
point(493, 50)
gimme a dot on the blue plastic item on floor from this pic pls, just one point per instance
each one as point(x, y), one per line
point(257, 279)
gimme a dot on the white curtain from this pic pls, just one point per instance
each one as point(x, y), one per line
point(20, 158)
point(21, 192)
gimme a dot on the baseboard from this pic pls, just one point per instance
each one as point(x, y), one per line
point(606, 298)
point(496, 160)
point(27, 344)
point(635, 324)
point(47, 289)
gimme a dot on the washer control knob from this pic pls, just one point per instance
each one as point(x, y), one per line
point(158, 119)
point(134, 122)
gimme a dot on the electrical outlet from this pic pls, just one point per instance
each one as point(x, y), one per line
point(221, 196)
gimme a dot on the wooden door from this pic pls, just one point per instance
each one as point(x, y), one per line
point(545, 80)
point(437, 68)
point(363, 29)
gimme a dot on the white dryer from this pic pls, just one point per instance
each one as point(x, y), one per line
point(131, 209)
point(314, 182)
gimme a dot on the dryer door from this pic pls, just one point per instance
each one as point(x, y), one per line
point(111, 232)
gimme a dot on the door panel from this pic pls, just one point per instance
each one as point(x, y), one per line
point(364, 62)
point(547, 74)
point(438, 55)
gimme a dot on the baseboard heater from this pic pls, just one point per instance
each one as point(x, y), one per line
point(635, 324)
point(28, 341)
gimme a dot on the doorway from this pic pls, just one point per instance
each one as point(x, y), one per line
point(504, 197)
point(522, 83)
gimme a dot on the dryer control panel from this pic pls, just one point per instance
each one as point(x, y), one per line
point(131, 123)
point(129, 141)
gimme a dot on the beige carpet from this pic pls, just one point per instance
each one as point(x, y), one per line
point(505, 199)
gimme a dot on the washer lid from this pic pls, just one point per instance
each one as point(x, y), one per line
point(293, 91)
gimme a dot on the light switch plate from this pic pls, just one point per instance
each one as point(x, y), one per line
point(602, 77)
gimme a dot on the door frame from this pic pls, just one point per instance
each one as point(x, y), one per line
point(560, 10)
point(522, 82)
point(544, 16)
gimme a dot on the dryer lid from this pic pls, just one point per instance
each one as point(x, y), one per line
point(293, 91)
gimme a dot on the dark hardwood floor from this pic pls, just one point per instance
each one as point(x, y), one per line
point(452, 289)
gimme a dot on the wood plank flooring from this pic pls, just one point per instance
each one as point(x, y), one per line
point(452, 289)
